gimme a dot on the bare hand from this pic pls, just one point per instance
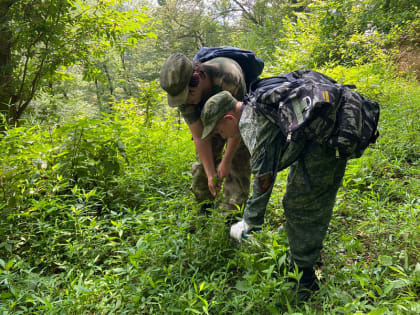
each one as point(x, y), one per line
point(215, 184)
point(224, 168)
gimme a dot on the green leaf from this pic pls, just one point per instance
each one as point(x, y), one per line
point(80, 288)
point(281, 260)
point(269, 271)
point(242, 285)
point(378, 311)
point(174, 310)
point(385, 260)
point(398, 269)
point(192, 310)
point(202, 286)
point(417, 271)
point(8, 265)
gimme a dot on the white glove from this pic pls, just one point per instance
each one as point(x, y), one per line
point(239, 230)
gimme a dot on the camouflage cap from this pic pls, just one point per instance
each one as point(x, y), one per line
point(214, 110)
point(175, 76)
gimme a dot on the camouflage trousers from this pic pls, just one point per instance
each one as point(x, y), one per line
point(308, 211)
point(236, 184)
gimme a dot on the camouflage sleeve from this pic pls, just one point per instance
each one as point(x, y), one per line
point(189, 113)
point(226, 75)
point(264, 164)
point(270, 153)
point(256, 205)
point(264, 142)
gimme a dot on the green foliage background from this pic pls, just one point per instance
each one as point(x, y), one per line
point(96, 213)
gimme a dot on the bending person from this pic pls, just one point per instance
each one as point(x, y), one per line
point(188, 86)
point(307, 213)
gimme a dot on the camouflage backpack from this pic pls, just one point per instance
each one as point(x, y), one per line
point(309, 105)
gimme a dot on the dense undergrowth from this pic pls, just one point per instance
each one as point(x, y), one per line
point(97, 217)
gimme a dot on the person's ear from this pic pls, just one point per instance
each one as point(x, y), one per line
point(229, 117)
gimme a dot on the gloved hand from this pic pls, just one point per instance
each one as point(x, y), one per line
point(239, 230)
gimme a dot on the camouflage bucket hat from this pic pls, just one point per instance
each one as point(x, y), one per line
point(175, 76)
point(214, 110)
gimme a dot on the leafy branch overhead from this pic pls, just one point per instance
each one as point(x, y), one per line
point(40, 36)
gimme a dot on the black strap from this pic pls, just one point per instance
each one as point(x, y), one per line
point(350, 86)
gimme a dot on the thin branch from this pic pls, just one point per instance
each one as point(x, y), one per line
point(247, 13)
point(34, 86)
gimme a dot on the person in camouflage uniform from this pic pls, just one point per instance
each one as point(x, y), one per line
point(188, 86)
point(307, 210)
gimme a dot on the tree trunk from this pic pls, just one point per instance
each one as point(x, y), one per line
point(127, 83)
point(108, 77)
point(98, 94)
point(7, 95)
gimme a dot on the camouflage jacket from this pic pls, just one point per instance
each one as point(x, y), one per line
point(270, 153)
point(225, 75)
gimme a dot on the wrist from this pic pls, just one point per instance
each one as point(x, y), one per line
point(211, 175)
point(226, 160)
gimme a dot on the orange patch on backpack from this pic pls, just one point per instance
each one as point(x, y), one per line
point(264, 182)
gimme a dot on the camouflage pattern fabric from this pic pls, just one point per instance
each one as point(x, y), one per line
point(309, 105)
point(357, 123)
point(307, 213)
point(226, 75)
point(236, 184)
point(301, 108)
point(270, 153)
point(251, 65)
